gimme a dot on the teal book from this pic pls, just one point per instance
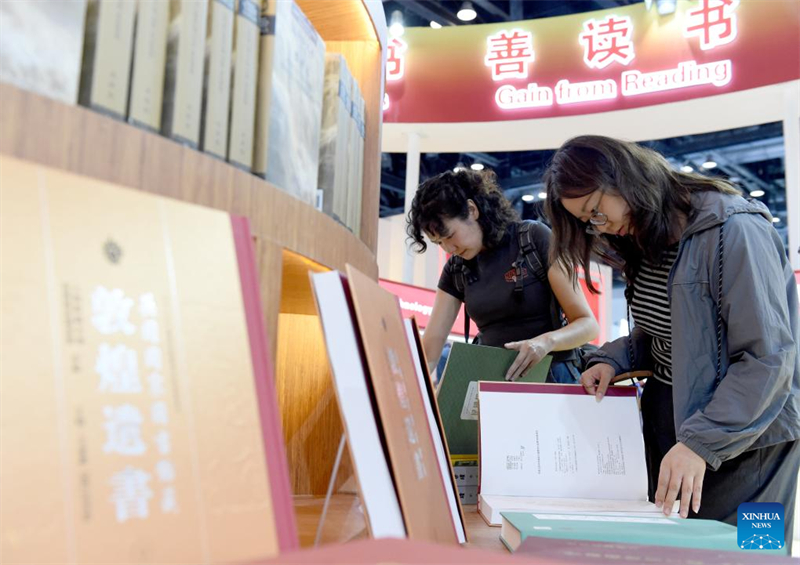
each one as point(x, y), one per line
point(633, 529)
point(458, 393)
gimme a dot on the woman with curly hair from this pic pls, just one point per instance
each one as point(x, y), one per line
point(714, 303)
point(498, 268)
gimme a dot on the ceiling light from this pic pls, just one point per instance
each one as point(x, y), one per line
point(436, 25)
point(776, 220)
point(687, 168)
point(528, 198)
point(458, 168)
point(757, 193)
point(709, 163)
point(396, 28)
point(542, 195)
point(665, 7)
point(476, 166)
point(467, 13)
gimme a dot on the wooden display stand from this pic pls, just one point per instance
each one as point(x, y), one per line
point(292, 237)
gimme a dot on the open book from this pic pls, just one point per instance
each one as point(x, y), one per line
point(554, 448)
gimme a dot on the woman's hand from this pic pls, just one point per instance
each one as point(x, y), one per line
point(595, 379)
point(682, 471)
point(531, 351)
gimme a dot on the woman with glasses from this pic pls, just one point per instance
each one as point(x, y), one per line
point(715, 308)
point(498, 268)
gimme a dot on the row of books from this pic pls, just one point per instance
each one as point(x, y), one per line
point(247, 81)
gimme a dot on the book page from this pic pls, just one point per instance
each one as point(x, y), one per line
point(560, 445)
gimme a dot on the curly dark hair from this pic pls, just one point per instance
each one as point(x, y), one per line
point(656, 194)
point(445, 197)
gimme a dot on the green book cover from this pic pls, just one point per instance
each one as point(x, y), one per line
point(458, 392)
point(655, 530)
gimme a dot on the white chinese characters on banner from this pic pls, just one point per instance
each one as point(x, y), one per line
point(509, 53)
point(714, 22)
point(123, 426)
point(118, 369)
point(395, 59)
point(607, 41)
point(131, 494)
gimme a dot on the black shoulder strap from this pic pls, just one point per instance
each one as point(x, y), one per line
point(460, 278)
point(529, 252)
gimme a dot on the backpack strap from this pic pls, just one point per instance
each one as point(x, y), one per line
point(461, 278)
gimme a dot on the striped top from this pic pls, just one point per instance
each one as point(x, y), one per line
point(650, 310)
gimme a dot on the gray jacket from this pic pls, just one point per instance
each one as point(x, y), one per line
point(757, 400)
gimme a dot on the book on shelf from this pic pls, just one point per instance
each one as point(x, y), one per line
point(435, 423)
point(244, 83)
point(408, 436)
point(289, 100)
point(333, 150)
point(41, 46)
point(646, 530)
point(183, 83)
point(149, 62)
point(581, 552)
point(355, 189)
point(139, 340)
point(384, 517)
point(107, 56)
point(217, 79)
point(554, 448)
point(458, 390)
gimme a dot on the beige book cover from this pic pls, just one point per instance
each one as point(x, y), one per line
point(149, 62)
point(333, 137)
point(107, 55)
point(183, 89)
point(41, 46)
point(340, 198)
point(356, 188)
point(245, 77)
point(217, 79)
point(418, 479)
point(130, 428)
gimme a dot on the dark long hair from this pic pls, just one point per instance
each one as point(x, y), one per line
point(445, 197)
point(659, 199)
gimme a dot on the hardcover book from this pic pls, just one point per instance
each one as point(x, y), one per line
point(245, 77)
point(217, 79)
point(149, 62)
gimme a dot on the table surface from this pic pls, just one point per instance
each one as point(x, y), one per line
point(345, 521)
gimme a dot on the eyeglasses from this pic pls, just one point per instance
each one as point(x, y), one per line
point(597, 218)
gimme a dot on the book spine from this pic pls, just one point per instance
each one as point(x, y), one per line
point(217, 79)
point(268, 23)
point(330, 147)
point(149, 61)
point(184, 79)
point(245, 75)
point(107, 57)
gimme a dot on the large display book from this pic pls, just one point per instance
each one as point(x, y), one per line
point(244, 83)
point(289, 101)
point(41, 45)
point(217, 79)
point(107, 53)
point(138, 415)
point(553, 448)
point(183, 88)
point(149, 63)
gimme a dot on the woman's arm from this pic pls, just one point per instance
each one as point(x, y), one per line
point(582, 326)
point(445, 310)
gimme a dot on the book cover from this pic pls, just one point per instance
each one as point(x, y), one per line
point(333, 135)
point(41, 46)
point(245, 78)
point(217, 79)
point(183, 88)
point(661, 531)
point(136, 419)
point(408, 436)
point(458, 392)
point(289, 106)
point(361, 425)
point(107, 56)
point(149, 62)
point(579, 552)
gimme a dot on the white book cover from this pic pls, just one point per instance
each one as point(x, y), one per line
point(41, 46)
point(378, 495)
point(556, 441)
point(441, 453)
